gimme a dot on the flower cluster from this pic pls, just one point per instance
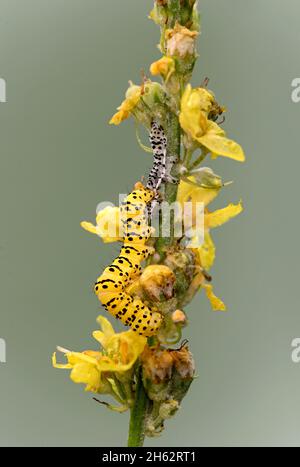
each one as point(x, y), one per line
point(204, 187)
point(108, 370)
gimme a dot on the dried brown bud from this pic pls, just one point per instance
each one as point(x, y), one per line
point(160, 364)
point(184, 362)
point(157, 364)
point(167, 376)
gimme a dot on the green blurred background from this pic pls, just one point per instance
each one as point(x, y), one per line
point(66, 64)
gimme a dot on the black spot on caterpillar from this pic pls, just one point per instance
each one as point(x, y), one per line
point(162, 165)
point(110, 287)
point(158, 143)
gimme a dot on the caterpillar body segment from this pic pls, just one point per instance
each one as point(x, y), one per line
point(162, 165)
point(158, 143)
point(110, 287)
point(132, 312)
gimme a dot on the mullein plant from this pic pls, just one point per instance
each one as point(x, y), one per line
point(150, 377)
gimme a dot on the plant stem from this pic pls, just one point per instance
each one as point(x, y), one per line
point(174, 137)
point(140, 407)
point(138, 414)
point(142, 404)
point(198, 161)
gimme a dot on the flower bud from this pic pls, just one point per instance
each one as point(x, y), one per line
point(158, 281)
point(161, 366)
point(181, 41)
point(184, 362)
point(178, 317)
point(206, 178)
point(151, 103)
point(164, 67)
point(154, 94)
point(157, 365)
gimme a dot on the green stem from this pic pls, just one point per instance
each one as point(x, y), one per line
point(177, 11)
point(138, 414)
point(174, 10)
point(198, 161)
point(187, 157)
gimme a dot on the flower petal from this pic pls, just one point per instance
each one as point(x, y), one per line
point(89, 227)
point(87, 374)
point(207, 252)
point(66, 366)
point(216, 303)
point(164, 67)
point(108, 225)
point(104, 336)
point(221, 146)
point(133, 95)
point(197, 194)
point(221, 216)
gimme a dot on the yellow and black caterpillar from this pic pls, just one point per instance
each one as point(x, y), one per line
point(110, 287)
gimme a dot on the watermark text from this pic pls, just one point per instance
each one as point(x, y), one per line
point(2, 351)
point(2, 90)
point(296, 350)
point(174, 220)
point(296, 90)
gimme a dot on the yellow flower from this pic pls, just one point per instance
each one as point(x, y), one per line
point(133, 96)
point(164, 67)
point(122, 349)
point(95, 368)
point(196, 105)
point(206, 253)
point(84, 370)
point(181, 41)
point(202, 187)
point(107, 225)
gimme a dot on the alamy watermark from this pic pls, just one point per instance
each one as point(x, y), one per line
point(176, 220)
point(2, 351)
point(296, 90)
point(3, 90)
point(296, 350)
